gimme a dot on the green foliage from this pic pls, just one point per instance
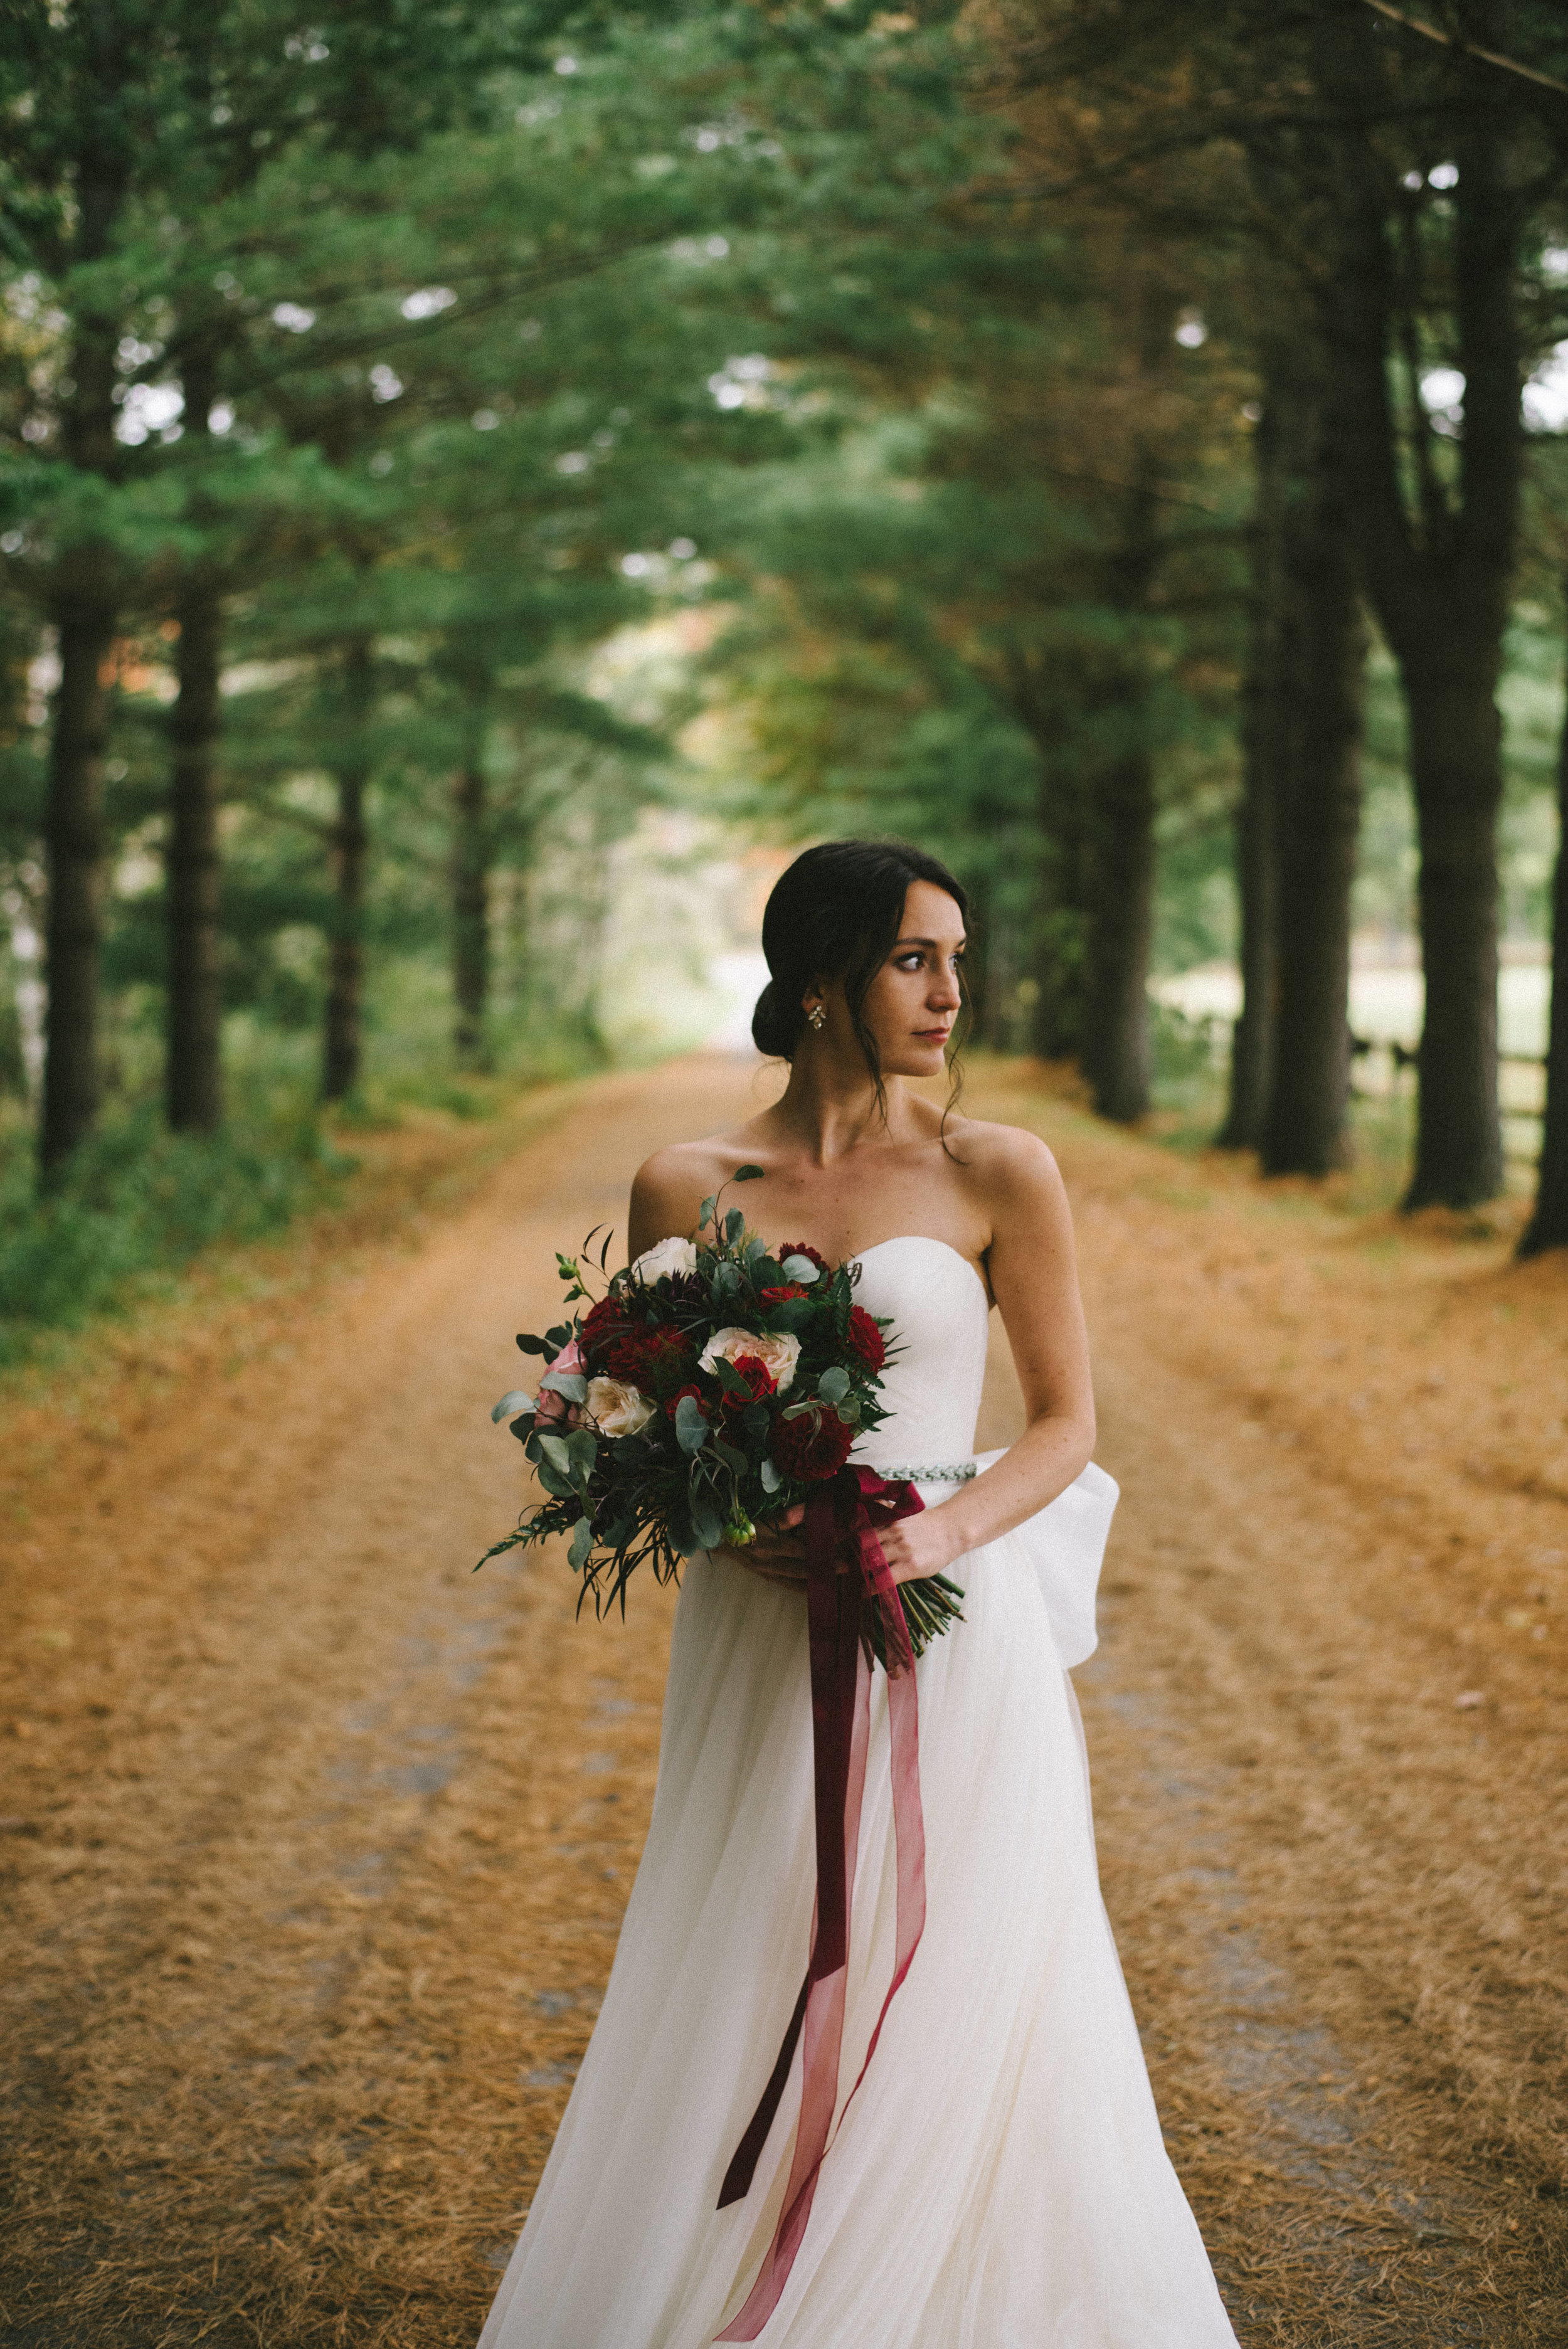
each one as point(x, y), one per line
point(137, 1204)
point(818, 418)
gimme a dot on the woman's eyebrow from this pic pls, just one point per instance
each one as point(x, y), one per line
point(901, 943)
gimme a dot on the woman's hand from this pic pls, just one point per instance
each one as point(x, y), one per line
point(919, 1546)
point(778, 1552)
point(914, 1548)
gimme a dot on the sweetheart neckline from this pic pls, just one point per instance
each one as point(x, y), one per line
point(926, 1240)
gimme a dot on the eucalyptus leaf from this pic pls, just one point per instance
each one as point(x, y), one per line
point(707, 1207)
point(746, 1174)
point(707, 1529)
point(518, 1399)
point(734, 1224)
point(731, 1457)
point(794, 1314)
point(834, 1384)
point(771, 1479)
point(691, 1427)
point(555, 1449)
point(802, 1268)
point(529, 1344)
point(582, 1450)
point(569, 1384)
point(582, 1544)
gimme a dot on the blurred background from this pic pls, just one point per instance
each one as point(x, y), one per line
point(480, 485)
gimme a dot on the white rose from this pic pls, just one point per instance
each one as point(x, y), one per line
point(615, 1409)
point(778, 1355)
point(670, 1256)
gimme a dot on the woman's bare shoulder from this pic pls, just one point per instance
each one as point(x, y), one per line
point(669, 1188)
point(1007, 1168)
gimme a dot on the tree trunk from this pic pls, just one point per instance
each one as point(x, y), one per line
point(1548, 1225)
point(1319, 821)
point(193, 1080)
point(193, 1076)
point(343, 1043)
point(1056, 1022)
point(1116, 1057)
point(84, 613)
point(1456, 753)
point(72, 843)
point(1437, 566)
point(471, 913)
point(1264, 756)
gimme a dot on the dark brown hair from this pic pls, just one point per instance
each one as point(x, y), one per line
point(836, 914)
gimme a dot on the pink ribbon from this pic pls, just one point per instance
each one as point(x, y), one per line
point(841, 1526)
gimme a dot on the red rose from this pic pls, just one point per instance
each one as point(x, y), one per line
point(814, 1446)
point(865, 1339)
point(798, 1248)
point(673, 1404)
point(758, 1380)
point(782, 1296)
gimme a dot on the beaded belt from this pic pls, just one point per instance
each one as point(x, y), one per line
point(956, 1472)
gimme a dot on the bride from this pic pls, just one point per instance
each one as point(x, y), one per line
point(997, 2181)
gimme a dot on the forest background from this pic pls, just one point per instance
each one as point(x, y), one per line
point(477, 483)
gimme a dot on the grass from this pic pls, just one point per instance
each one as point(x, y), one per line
point(137, 1206)
point(1190, 1096)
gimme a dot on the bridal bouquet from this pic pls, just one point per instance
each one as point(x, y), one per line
point(715, 1383)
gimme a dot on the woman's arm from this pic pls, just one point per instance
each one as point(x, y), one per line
point(1034, 1278)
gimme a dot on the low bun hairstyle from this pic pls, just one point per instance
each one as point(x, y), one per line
point(773, 1031)
point(835, 914)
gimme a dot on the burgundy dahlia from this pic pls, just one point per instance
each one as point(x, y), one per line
point(866, 1339)
point(602, 1324)
point(812, 1447)
point(640, 1356)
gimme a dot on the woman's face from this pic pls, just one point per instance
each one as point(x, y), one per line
point(914, 999)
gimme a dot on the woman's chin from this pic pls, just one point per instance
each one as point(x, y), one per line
point(916, 1060)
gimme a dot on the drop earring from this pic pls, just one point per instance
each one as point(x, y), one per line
point(817, 1016)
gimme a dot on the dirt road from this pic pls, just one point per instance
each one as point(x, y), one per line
point(316, 1846)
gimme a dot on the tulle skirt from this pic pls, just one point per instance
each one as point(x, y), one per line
point(999, 2180)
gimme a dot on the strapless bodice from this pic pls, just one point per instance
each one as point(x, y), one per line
point(936, 1366)
point(941, 1315)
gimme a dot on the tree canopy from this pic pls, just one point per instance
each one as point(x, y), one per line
point(438, 444)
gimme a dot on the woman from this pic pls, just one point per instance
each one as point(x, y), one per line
point(998, 2180)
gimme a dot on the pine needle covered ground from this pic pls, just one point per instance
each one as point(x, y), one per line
point(315, 1846)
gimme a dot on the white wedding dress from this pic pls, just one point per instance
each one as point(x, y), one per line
point(999, 2180)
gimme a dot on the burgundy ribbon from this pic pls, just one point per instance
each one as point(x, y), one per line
point(845, 1572)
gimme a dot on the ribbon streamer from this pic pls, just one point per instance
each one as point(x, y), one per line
point(845, 1572)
